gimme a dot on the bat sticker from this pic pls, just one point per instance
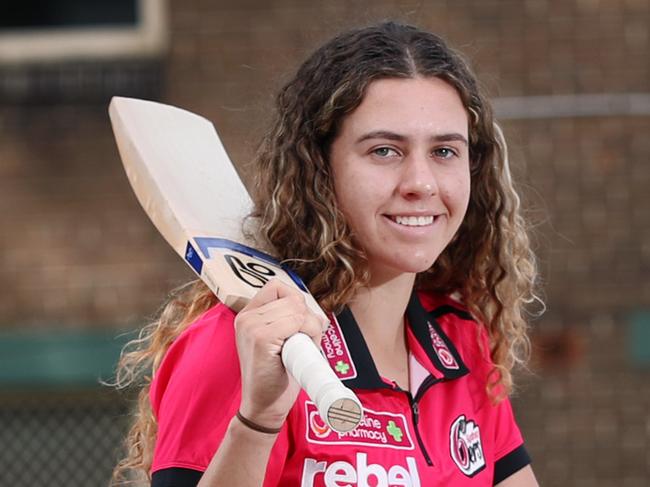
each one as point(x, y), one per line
point(207, 243)
point(193, 259)
point(252, 273)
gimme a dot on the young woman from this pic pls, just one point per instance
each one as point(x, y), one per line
point(384, 183)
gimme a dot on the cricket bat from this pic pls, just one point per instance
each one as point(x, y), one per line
point(184, 180)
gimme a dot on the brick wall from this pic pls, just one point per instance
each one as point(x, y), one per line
point(77, 251)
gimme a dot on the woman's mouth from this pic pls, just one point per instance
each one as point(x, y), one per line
point(412, 221)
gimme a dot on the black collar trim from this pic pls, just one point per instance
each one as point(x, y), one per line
point(439, 348)
point(436, 344)
point(367, 376)
point(448, 309)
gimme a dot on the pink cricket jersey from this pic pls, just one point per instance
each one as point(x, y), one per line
point(445, 431)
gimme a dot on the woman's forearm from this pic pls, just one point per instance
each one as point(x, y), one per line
point(241, 458)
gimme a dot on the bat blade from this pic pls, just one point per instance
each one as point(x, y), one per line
point(179, 171)
point(184, 180)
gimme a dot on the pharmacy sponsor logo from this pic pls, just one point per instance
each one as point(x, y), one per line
point(336, 351)
point(442, 351)
point(340, 473)
point(465, 445)
point(379, 429)
point(317, 427)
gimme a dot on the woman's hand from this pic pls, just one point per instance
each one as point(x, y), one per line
point(275, 313)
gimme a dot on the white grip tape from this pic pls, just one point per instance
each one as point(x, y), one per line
point(304, 361)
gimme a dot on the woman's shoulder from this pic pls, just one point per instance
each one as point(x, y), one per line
point(217, 319)
point(208, 343)
point(211, 330)
point(207, 330)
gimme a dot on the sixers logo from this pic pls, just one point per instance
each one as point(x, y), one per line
point(465, 446)
point(442, 351)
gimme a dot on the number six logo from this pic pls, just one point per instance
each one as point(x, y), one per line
point(465, 446)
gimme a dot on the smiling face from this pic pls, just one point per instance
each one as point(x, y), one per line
point(401, 172)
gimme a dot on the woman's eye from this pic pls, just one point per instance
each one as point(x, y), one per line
point(384, 151)
point(444, 152)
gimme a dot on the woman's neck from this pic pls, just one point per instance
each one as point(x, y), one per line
point(379, 311)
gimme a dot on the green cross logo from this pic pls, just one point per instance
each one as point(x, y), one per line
point(341, 367)
point(394, 430)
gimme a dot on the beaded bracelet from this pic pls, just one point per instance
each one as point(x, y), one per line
point(256, 427)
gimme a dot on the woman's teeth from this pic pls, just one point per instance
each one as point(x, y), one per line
point(414, 221)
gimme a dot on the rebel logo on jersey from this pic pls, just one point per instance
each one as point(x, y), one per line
point(361, 473)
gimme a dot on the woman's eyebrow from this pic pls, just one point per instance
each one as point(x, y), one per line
point(387, 134)
point(381, 134)
point(450, 138)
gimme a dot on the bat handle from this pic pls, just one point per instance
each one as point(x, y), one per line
point(338, 406)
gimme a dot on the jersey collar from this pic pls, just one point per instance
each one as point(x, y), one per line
point(346, 350)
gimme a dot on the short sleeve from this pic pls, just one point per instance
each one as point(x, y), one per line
point(196, 392)
point(510, 454)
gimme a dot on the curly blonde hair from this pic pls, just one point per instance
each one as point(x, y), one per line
point(488, 264)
